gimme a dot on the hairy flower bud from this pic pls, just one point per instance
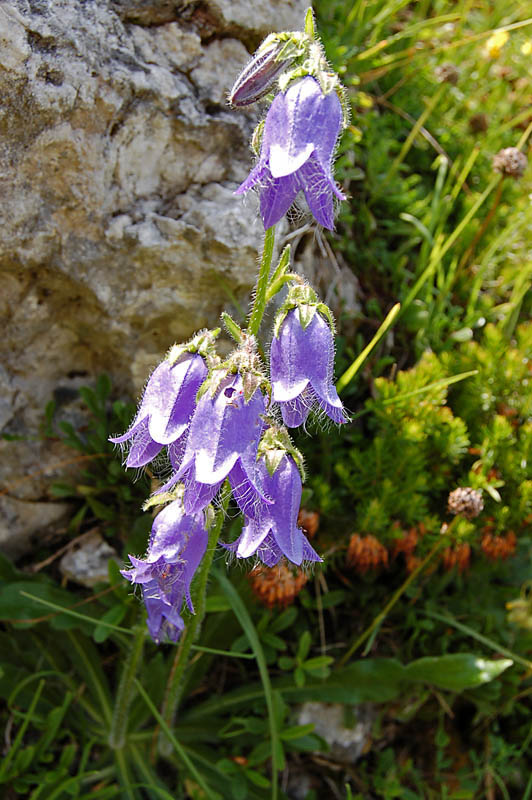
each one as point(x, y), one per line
point(259, 74)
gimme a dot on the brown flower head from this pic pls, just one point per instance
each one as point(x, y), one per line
point(278, 585)
point(366, 553)
point(309, 521)
point(498, 548)
point(458, 556)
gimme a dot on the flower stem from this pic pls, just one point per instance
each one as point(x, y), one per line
point(444, 539)
point(259, 303)
point(117, 733)
point(174, 687)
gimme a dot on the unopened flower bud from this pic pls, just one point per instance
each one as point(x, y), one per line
point(465, 501)
point(510, 161)
point(259, 75)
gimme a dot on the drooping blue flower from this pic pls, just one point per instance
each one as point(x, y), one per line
point(301, 370)
point(270, 530)
point(222, 443)
point(166, 408)
point(177, 545)
point(300, 134)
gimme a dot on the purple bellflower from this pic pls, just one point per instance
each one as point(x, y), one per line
point(299, 138)
point(166, 408)
point(177, 545)
point(222, 443)
point(301, 369)
point(271, 532)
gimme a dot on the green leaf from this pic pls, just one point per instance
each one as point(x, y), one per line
point(317, 663)
point(304, 645)
point(217, 602)
point(273, 641)
point(285, 619)
point(456, 672)
point(286, 662)
point(259, 780)
point(113, 616)
point(299, 677)
point(296, 731)
point(101, 510)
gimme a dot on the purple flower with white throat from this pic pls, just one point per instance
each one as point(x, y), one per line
point(298, 142)
point(168, 402)
point(177, 545)
point(301, 365)
point(222, 443)
point(270, 529)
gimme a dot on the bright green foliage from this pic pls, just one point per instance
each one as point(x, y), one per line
point(446, 674)
point(397, 467)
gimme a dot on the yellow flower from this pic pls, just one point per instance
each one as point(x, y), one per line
point(495, 43)
point(526, 48)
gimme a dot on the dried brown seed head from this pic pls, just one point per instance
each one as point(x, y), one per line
point(510, 161)
point(465, 501)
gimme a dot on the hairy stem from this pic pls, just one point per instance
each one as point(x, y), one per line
point(174, 687)
point(117, 733)
point(259, 303)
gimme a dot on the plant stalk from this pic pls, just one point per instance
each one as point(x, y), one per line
point(174, 687)
point(444, 539)
point(259, 303)
point(117, 733)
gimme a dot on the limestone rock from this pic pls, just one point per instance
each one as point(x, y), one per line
point(88, 563)
point(119, 232)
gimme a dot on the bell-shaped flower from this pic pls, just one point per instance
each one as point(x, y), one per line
point(222, 443)
point(166, 408)
point(270, 528)
point(177, 544)
point(298, 143)
point(301, 369)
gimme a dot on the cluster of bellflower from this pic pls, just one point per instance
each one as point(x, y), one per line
point(220, 420)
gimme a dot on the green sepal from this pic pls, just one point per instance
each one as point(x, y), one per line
point(212, 382)
point(202, 343)
point(304, 298)
point(245, 360)
point(327, 313)
point(310, 28)
point(274, 445)
point(282, 266)
point(175, 493)
point(256, 139)
point(232, 327)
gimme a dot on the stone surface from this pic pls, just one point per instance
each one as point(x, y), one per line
point(88, 564)
point(346, 744)
point(119, 232)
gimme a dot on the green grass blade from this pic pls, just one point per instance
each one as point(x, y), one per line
point(498, 648)
point(246, 622)
point(176, 745)
point(69, 612)
point(351, 371)
point(21, 731)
